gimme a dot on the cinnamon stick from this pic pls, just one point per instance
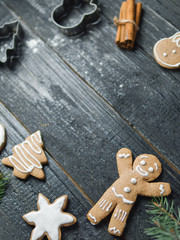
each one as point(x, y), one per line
point(129, 35)
point(138, 16)
point(118, 34)
point(119, 29)
point(128, 23)
point(122, 43)
point(137, 21)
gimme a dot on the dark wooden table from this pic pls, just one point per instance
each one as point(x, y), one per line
point(89, 99)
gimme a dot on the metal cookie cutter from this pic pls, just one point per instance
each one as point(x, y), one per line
point(9, 30)
point(65, 7)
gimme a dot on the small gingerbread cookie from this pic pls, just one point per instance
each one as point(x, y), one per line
point(2, 136)
point(133, 181)
point(167, 52)
point(28, 158)
point(49, 219)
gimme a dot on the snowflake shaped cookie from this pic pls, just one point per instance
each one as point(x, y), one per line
point(49, 218)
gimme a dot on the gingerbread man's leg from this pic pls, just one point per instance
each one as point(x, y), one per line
point(119, 218)
point(102, 208)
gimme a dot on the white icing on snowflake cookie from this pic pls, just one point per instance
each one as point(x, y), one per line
point(167, 52)
point(49, 218)
point(2, 136)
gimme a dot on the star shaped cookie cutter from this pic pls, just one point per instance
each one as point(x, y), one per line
point(60, 11)
point(12, 28)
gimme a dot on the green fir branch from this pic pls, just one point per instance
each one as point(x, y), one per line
point(164, 220)
point(3, 184)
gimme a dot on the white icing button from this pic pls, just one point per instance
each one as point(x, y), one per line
point(151, 169)
point(174, 51)
point(133, 181)
point(127, 189)
point(143, 162)
point(165, 54)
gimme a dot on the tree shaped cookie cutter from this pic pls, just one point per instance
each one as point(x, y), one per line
point(61, 10)
point(6, 30)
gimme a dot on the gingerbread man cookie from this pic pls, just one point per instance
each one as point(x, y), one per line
point(2, 136)
point(133, 181)
point(28, 158)
point(49, 218)
point(167, 52)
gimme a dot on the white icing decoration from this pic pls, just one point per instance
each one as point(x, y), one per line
point(143, 162)
point(49, 218)
point(93, 223)
point(105, 205)
point(151, 169)
point(114, 230)
point(122, 196)
point(133, 181)
point(165, 54)
point(144, 156)
point(174, 51)
point(156, 166)
point(107, 209)
point(21, 151)
point(123, 155)
point(2, 135)
point(119, 214)
point(127, 189)
point(102, 203)
point(115, 215)
point(123, 217)
point(161, 188)
point(93, 218)
point(175, 38)
point(141, 171)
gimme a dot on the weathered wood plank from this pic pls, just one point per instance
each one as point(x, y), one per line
point(145, 94)
point(21, 196)
point(153, 27)
point(167, 10)
point(80, 130)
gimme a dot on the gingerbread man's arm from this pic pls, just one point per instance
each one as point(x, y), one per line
point(156, 189)
point(124, 160)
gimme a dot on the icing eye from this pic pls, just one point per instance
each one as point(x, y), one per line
point(143, 162)
point(151, 169)
point(165, 54)
point(174, 51)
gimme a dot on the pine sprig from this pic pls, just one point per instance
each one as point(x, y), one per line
point(164, 220)
point(3, 184)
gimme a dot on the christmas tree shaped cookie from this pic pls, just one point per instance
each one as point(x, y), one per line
point(28, 157)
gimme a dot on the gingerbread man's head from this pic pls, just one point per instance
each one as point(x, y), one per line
point(148, 166)
point(167, 51)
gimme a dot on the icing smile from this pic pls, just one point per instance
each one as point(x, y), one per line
point(141, 171)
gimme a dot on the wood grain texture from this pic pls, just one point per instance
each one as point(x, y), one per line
point(131, 81)
point(21, 196)
point(80, 130)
